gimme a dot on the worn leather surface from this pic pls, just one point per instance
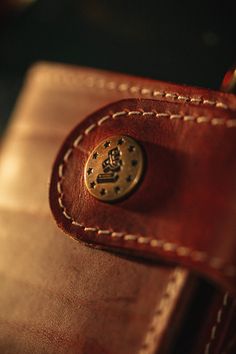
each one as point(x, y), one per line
point(185, 208)
point(57, 295)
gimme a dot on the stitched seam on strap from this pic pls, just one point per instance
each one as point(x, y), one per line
point(180, 251)
point(216, 324)
point(101, 83)
point(149, 344)
point(144, 91)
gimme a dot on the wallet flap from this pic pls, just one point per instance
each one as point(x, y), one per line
point(58, 296)
point(184, 210)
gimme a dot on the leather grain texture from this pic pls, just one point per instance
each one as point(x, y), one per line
point(57, 295)
point(184, 210)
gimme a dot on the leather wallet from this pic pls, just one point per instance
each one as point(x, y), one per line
point(155, 271)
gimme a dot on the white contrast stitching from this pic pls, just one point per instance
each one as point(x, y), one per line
point(104, 232)
point(158, 93)
point(89, 129)
point(77, 223)
point(163, 115)
point(103, 119)
point(188, 118)
point(209, 102)
point(130, 237)
point(117, 234)
point(183, 98)
point(221, 105)
point(102, 83)
point(175, 116)
point(151, 337)
point(90, 229)
point(216, 324)
point(203, 120)
point(60, 170)
point(148, 113)
point(132, 113)
point(146, 91)
point(78, 140)
point(67, 155)
point(181, 251)
point(117, 114)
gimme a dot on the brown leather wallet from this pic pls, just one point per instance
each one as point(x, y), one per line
point(167, 284)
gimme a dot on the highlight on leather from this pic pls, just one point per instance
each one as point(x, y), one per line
point(184, 211)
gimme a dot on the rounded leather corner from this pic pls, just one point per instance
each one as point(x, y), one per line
point(175, 214)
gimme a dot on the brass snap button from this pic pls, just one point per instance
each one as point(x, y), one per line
point(114, 168)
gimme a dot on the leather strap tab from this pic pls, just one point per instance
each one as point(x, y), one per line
point(184, 211)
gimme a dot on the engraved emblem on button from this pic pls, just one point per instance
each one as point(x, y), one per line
point(114, 168)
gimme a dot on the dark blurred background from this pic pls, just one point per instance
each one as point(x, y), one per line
point(191, 42)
